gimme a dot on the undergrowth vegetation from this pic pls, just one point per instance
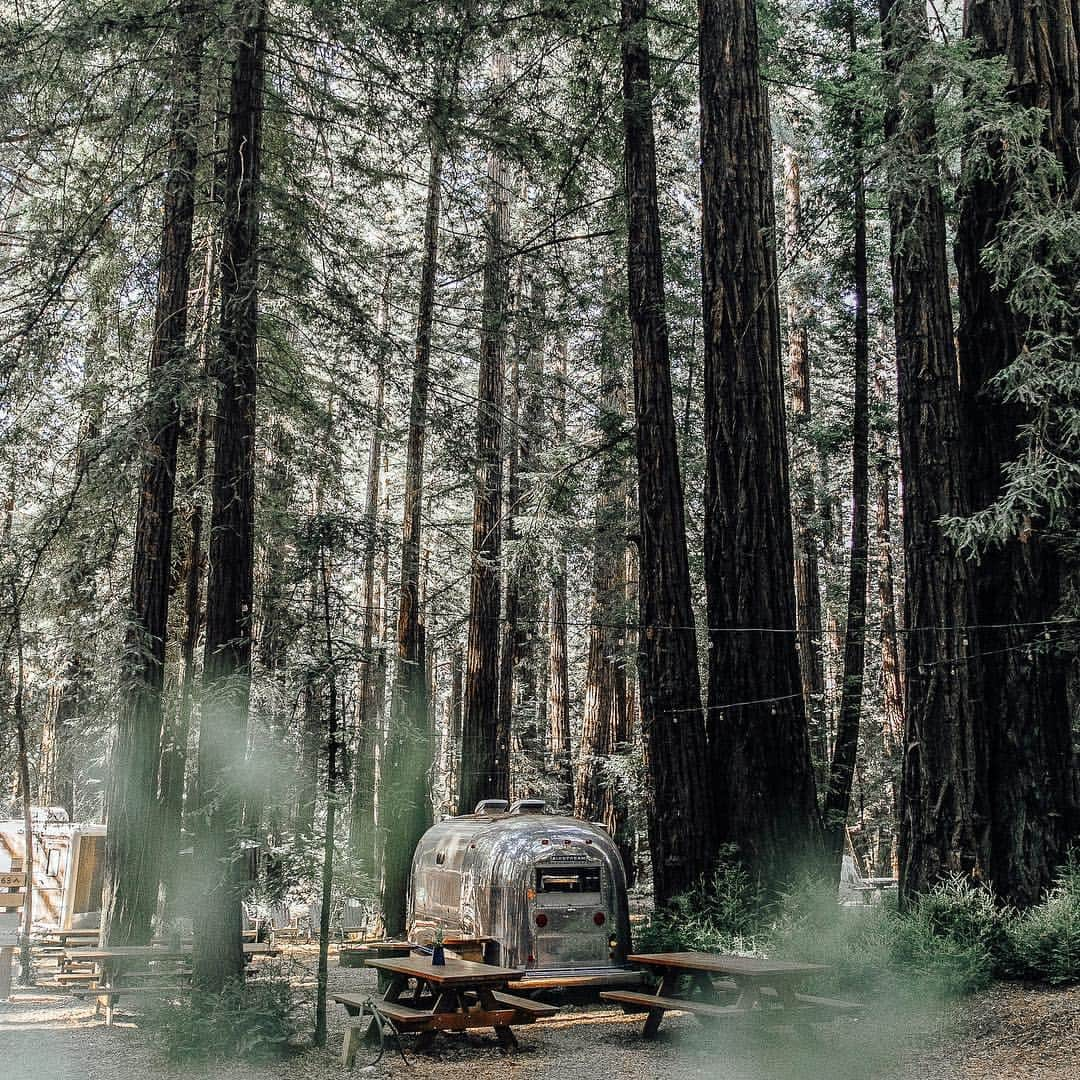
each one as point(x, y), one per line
point(953, 941)
point(251, 1022)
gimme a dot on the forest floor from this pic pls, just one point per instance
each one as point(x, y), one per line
point(1010, 1032)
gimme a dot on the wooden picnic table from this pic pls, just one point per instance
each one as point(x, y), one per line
point(748, 987)
point(107, 979)
point(455, 996)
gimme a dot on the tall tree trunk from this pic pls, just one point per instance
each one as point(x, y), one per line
point(132, 843)
point(326, 895)
point(523, 575)
point(944, 826)
point(362, 837)
point(510, 643)
point(759, 750)
point(485, 749)
point(218, 957)
point(405, 797)
point(457, 662)
point(604, 725)
point(172, 770)
point(174, 749)
point(807, 577)
point(845, 749)
point(1020, 582)
point(26, 970)
point(558, 680)
point(680, 791)
point(892, 688)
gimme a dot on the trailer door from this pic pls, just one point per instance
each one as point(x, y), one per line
point(571, 918)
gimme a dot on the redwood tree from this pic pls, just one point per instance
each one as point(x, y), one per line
point(1019, 582)
point(759, 751)
point(681, 790)
point(944, 825)
point(132, 846)
point(218, 957)
point(485, 744)
point(404, 797)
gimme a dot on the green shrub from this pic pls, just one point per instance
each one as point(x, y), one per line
point(247, 1021)
point(1045, 940)
point(726, 913)
point(948, 944)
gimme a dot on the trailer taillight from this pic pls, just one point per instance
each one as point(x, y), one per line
point(599, 918)
point(541, 920)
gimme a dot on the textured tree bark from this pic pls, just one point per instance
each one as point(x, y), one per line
point(218, 957)
point(807, 577)
point(558, 680)
point(362, 835)
point(174, 749)
point(944, 825)
point(457, 664)
point(680, 791)
point(604, 724)
point(173, 767)
point(322, 969)
point(485, 745)
point(405, 797)
point(892, 690)
point(132, 843)
point(524, 575)
point(509, 656)
point(846, 746)
point(759, 753)
point(1020, 583)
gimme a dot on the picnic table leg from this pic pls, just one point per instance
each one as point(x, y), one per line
point(7, 955)
point(669, 985)
point(351, 1042)
point(503, 1032)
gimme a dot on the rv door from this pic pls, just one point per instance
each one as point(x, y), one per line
point(571, 922)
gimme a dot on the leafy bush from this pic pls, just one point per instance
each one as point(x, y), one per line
point(1045, 940)
point(247, 1021)
point(724, 914)
point(950, 943)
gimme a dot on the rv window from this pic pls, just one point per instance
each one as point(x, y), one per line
point(568, 879)
point(440, 858)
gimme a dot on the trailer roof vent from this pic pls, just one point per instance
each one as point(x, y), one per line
point(529, 806)
point(491, 806)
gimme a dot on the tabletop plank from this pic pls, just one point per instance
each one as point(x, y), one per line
point(744, 966)
point(453, 973)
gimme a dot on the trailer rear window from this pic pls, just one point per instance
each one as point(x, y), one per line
point(570, 879)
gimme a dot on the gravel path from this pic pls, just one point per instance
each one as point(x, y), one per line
point(1008, 1033)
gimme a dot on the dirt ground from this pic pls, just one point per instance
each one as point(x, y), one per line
point(1007, 1033)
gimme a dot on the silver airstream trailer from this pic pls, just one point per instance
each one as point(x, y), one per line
point(549, 891)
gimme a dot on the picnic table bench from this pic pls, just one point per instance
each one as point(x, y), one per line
point(749, 987)
point(456, 996)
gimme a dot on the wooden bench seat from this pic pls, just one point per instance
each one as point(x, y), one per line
point(808, 1003)
point(653, 1001)
point(535, 1010)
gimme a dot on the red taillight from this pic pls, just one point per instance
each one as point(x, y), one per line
point(541, 919)
point(599, 918)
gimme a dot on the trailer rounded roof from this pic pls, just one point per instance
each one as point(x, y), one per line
point(498, 832)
